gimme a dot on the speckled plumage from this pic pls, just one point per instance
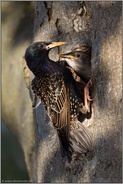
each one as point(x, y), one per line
point(61, 95)
point(79, 59)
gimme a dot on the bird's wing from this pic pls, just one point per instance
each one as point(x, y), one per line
point(61, 114)
point(61, 105)
point(55, 97)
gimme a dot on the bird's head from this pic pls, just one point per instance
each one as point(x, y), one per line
point(76, 54)
point(79, 59)
point(36, 54)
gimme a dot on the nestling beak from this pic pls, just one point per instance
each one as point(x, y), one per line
point(69, 55)
point(55, 44)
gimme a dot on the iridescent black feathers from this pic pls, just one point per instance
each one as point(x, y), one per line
point(59, 92)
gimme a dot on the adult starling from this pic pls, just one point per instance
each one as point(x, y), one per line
point(79, 59)
point(59, 93)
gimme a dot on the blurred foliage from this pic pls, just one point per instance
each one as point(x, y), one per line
point(12, 163)
point(17, 28)
point(18, 17)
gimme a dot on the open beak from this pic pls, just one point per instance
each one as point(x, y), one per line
point(69, 55)
point(55, 44)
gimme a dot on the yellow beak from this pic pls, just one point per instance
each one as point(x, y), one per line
point(67, 55)
point(55, 44)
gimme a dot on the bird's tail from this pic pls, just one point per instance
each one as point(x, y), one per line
point(77, 142)
point(80, 140)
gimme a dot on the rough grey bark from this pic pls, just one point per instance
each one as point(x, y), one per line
point(107, 70)
point(99, 24)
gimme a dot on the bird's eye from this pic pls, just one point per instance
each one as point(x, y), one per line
point(78, 55)
point(40, 46)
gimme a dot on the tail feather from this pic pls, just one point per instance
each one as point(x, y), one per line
point(63, 137)
point(77, 142)
point(80, 139)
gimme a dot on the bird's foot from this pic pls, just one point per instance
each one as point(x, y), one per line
point(87, 98)
point(85, 109)
point(89, 84)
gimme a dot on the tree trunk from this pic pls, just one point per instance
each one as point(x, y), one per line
point(98, 24)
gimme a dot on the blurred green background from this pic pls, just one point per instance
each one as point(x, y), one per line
point(12, 160)
point(17, 33)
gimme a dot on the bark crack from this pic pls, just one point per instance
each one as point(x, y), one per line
point(49, 10)
point(57, 24)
